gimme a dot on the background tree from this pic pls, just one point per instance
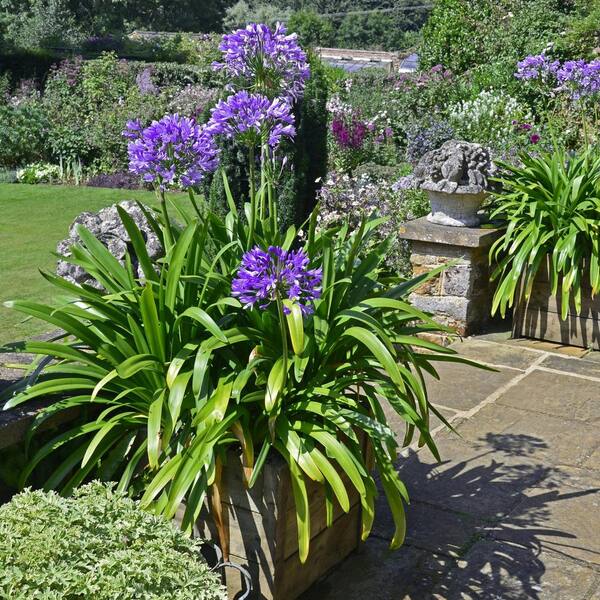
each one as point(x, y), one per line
point(242, 13)
point(312, 29)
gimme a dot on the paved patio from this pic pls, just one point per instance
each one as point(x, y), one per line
point(513, 509)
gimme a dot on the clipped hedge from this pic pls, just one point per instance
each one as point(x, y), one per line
point(297, 188)
point(97, 544)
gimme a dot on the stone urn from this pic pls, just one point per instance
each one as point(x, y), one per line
point(456, 178)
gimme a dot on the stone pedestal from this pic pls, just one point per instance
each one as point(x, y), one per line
point(461, 296)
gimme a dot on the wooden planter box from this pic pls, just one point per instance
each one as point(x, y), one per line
point(263, 534)
point(540, 316)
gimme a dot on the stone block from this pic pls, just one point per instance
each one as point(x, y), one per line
point(422, 230)
point(458, 280)
point(438, 254)
point(449, 306)
point(431, 287)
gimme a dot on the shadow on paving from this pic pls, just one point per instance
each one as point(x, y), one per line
point(457, 508)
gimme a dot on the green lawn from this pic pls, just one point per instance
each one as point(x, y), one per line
point(33, 219)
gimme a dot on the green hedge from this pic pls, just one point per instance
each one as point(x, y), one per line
point(97, 544)
point(297, 189)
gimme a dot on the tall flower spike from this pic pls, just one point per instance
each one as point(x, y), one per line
point(263, 276)
point(253, 119)
point(174, 152)
point(265, 60)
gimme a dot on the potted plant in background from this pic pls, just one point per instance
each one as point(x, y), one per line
point(548, 258)
point(246, 370)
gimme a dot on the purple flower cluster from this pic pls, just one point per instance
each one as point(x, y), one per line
point(349, 133)
point(269, 61)
point(425, 136)
point(265, 276)
point(253, 119)
point(579, 77)
point(534, 138)
point(534, 66)
point(145, 84)
point(172, 152)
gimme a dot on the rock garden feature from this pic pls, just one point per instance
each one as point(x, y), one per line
point(107, 227)
point(456, 177)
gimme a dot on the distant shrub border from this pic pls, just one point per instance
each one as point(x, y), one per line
point(97, 544)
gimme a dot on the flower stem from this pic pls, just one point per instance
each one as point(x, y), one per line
point(253, 207)
point(284, 340)
point(165, 214)
point(194, 203)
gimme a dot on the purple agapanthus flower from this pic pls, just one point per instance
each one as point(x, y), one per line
point(264, 277)
point(172, 152)
point(253, 119)
point(534, 66)
point(577, 77)
point(266, 60)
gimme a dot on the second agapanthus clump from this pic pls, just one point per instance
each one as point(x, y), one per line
point(275, 275)
point(265, 60)
point(174, 152)
point(253, 119)
point(578, 77)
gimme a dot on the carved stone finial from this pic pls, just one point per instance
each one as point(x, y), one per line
point(106, 226)
point(456, 168)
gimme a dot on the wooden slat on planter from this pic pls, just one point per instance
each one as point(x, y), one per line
point(539, 317)
point(263, 534)
point(542, 299)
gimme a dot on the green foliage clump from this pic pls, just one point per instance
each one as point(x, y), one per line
point(551, 206)
point(312, 29)
point(23, 131)
point(463, 34)
point(379, 30)
point(97, 544)
point(87, 104)
point(241, 13)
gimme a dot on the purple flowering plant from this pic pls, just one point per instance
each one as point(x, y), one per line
point(201, 374)
point(273, 275)
point(268, 61)
point(252, 119)
point(354, 139)
point(173, 153)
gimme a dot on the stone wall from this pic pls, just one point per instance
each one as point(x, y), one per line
point(461, 295)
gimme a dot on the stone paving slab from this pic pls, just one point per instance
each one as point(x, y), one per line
point(430, 528)
point(500, 571)
point(496, 354)
point(483, 479)
point(561, 441)
point(555, 394)
point(473, 389)
point(588, 366)
point(551, 347)
point(512, 511)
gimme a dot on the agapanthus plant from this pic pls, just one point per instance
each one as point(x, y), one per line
point(252, 119)
point(265, 60)
point(578, 78)
point(173, 153)
point(180, 379)
point(273, 275)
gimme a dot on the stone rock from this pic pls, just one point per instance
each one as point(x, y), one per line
point(107, 227)
point(456, 167)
